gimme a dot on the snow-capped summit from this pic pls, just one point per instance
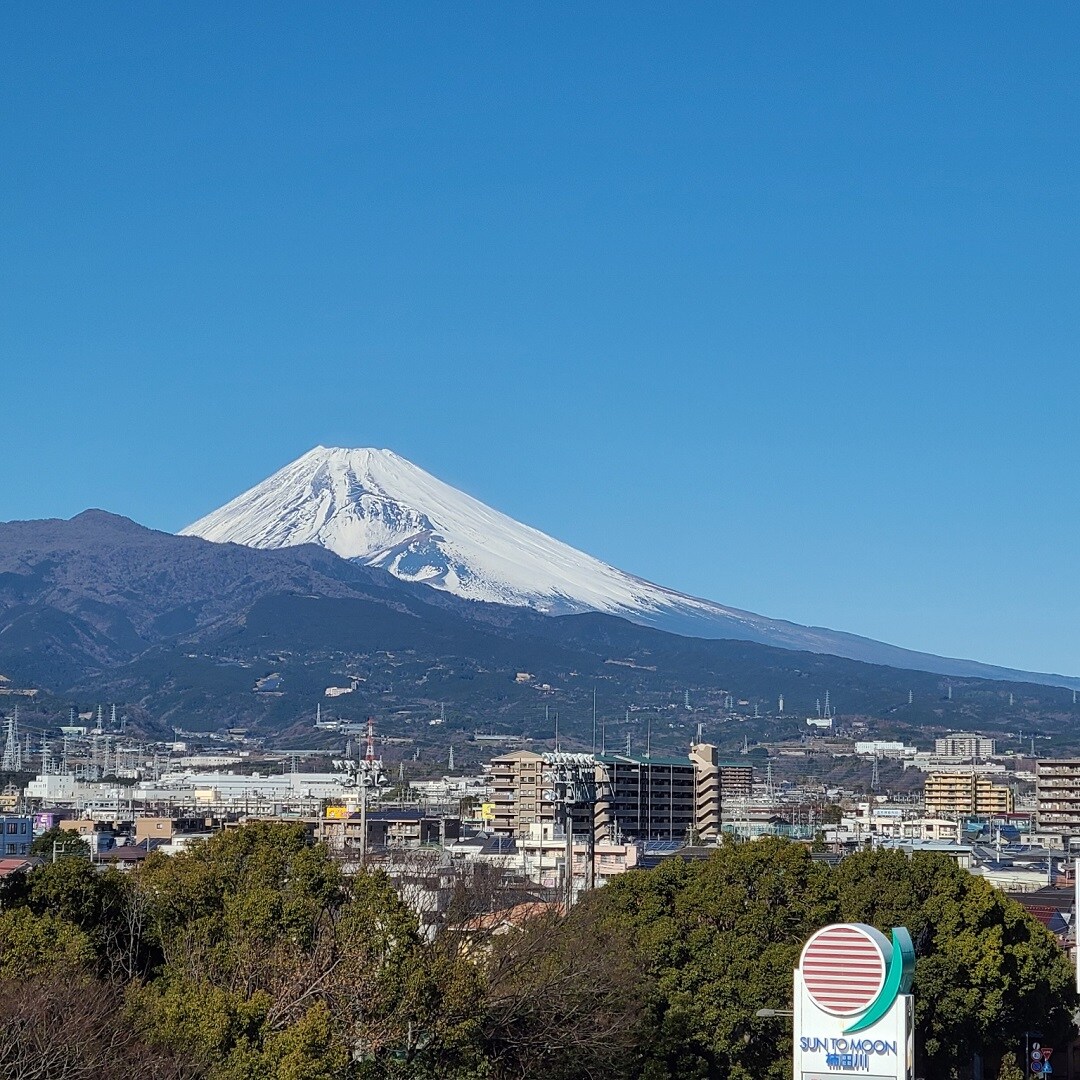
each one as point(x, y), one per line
point(379, 509)
point(375, 507)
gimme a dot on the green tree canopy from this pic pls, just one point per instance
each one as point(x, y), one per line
point(717, 940)
point(57, 842)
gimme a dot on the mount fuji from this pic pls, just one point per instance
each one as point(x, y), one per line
point(375, 508)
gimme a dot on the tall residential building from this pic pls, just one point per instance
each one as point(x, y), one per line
point(1057, 794)
point(965, 792)
point(654, 797)
point(965, 744)
point(516, 784)
point(649, 798)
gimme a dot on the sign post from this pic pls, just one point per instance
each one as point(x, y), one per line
point(854, 1013)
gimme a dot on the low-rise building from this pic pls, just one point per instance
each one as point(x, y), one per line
point(16, 834)
point(392, 827)
point(885, 748)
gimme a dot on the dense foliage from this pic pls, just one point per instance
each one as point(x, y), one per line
point(252, 956)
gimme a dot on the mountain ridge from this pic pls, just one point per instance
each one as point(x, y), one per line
point(185, 631)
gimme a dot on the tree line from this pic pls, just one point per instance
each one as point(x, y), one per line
point(252, 956)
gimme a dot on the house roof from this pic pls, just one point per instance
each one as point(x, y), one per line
point(17, 865)
point(515, 916)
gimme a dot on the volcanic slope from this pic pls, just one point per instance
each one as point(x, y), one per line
point(377, 509)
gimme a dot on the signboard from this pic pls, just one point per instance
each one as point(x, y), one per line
point(1040, 1059)
point(853, 1006)
point(336, 813)
point(487, 811)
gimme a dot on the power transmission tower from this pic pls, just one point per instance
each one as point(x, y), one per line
point(12, 759)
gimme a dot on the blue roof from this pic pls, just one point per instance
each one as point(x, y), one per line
point(662, 847)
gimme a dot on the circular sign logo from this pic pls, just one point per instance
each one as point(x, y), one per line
point(844, 967)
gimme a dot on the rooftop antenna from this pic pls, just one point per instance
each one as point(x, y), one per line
point(700, 725)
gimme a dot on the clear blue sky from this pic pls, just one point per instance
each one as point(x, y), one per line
point(775, 304)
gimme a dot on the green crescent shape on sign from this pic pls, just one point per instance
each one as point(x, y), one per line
point(897, 980)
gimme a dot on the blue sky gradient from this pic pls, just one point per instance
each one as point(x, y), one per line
point(773, 304)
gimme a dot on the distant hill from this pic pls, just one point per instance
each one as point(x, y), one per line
point(210, 635)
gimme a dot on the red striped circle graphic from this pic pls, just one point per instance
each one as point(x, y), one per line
point(843, 968)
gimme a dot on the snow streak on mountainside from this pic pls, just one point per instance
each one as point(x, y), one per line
point(376, 508)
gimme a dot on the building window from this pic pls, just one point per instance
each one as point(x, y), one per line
point(13, 849)
point(12, 828)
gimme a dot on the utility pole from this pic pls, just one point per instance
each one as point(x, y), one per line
point(594, 719)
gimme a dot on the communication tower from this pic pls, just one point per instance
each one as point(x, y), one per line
point(369, 753)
